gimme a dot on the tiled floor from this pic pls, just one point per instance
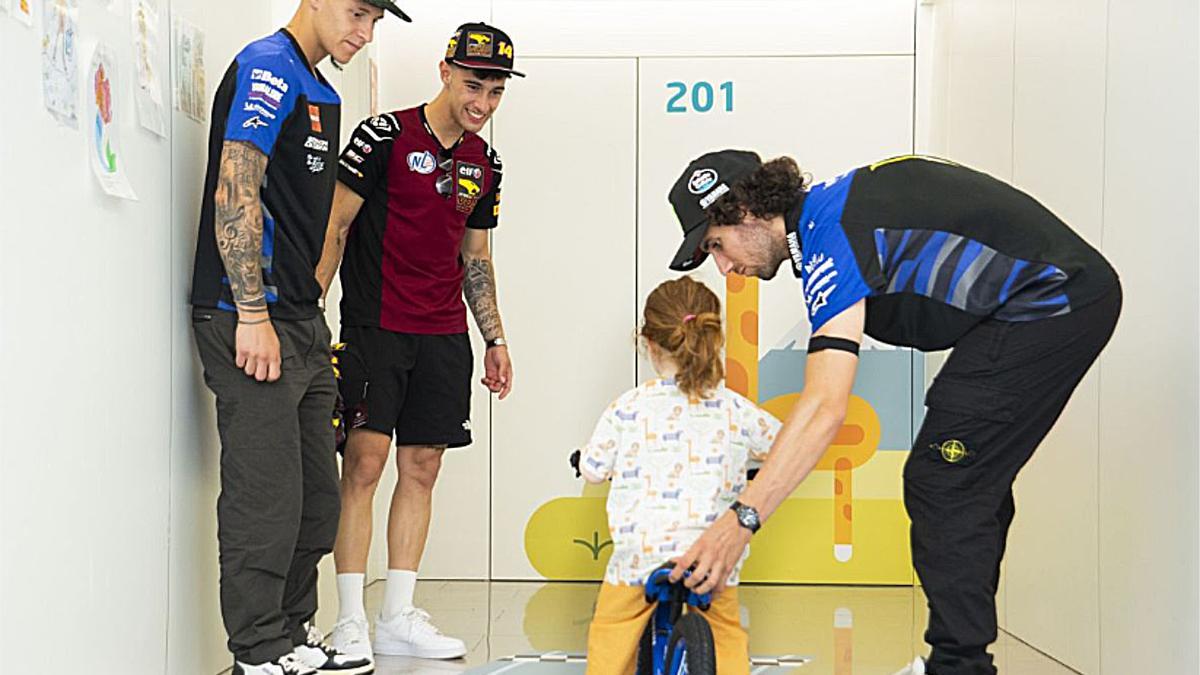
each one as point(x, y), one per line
point(876, 634)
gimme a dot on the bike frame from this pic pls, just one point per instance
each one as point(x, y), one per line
point(671, 599)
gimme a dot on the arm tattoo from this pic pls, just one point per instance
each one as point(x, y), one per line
point(479, 286)
point(239, 223)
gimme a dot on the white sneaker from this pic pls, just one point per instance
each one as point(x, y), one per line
point(410, 633)
point(327, 660)
point(287, 664)
point(351, 637)
point(917, 668)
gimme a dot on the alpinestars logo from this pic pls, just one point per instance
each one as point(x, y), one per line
point(819, 273)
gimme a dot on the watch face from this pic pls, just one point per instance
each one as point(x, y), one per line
point(748, 517)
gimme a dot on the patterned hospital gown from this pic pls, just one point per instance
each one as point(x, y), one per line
point(676, 466)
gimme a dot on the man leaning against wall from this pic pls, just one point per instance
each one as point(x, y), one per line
point(263, 341)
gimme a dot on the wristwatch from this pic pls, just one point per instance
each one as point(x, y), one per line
point(747, 516)
point(497, 342)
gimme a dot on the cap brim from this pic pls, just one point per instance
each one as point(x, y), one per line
point(690, 256)
point(391, 7)
point(483, 66)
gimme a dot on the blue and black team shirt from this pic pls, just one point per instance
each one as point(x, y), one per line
point(935, 248)
point(270, 98)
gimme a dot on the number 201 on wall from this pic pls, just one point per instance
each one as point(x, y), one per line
point(703, 97)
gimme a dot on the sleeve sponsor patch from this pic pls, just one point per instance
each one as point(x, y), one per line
point(263, 99)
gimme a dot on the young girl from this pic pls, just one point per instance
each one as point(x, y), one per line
point(676, 450)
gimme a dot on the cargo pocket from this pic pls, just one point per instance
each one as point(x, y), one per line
point(965, 420)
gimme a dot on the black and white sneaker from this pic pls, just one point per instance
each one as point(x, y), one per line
point(287, 664)
point(326, 660)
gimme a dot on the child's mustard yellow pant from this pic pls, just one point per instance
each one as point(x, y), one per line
point(622, 613)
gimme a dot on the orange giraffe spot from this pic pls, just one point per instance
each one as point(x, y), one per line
point(750, 327)
point(734, 283)
point(849, 434)
point(736, 377)
point(848, 511)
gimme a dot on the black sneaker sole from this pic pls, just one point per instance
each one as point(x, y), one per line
point(367, 669)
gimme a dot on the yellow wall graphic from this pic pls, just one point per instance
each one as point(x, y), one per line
point(845, 524)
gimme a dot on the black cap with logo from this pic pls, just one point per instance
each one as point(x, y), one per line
point(481, 47)
point(390, 6)
point(702, 183)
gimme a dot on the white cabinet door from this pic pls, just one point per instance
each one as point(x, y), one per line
point(565, 262)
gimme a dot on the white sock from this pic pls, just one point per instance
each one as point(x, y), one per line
point(398, 593)
point(350, 596)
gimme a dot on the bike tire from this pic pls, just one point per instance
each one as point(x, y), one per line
point(698, 651)
point(645, 653)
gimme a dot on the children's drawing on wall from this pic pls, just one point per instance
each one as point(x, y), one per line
point(60, 61)
point(147, 93)
point(23, 11)
point(191, 92)
point(108, 162)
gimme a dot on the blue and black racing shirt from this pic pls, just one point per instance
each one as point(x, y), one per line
point(935, 248)
point(271, 99)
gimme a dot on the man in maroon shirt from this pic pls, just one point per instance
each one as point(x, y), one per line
point(418, 192)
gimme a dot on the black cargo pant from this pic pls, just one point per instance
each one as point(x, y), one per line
point(996, 398)
point(277, 514)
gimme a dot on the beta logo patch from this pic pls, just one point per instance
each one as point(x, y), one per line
point(479, 44)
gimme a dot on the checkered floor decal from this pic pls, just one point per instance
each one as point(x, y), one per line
point(790, 660)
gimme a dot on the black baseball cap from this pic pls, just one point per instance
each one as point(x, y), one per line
point(390, 6)
point(481, 47)
point(702, 183)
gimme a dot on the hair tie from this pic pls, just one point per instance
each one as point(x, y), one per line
point(688, 318)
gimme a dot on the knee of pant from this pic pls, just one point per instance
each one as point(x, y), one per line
point(363, 469)
point(421, 467)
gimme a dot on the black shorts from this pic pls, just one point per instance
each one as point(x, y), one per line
point(414, 387)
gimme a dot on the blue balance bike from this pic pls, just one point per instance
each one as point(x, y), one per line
point(677, 639)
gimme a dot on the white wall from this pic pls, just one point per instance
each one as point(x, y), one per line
point(1148, 394)
point(84, 396)
point(1092, 108)
point(108, 460)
